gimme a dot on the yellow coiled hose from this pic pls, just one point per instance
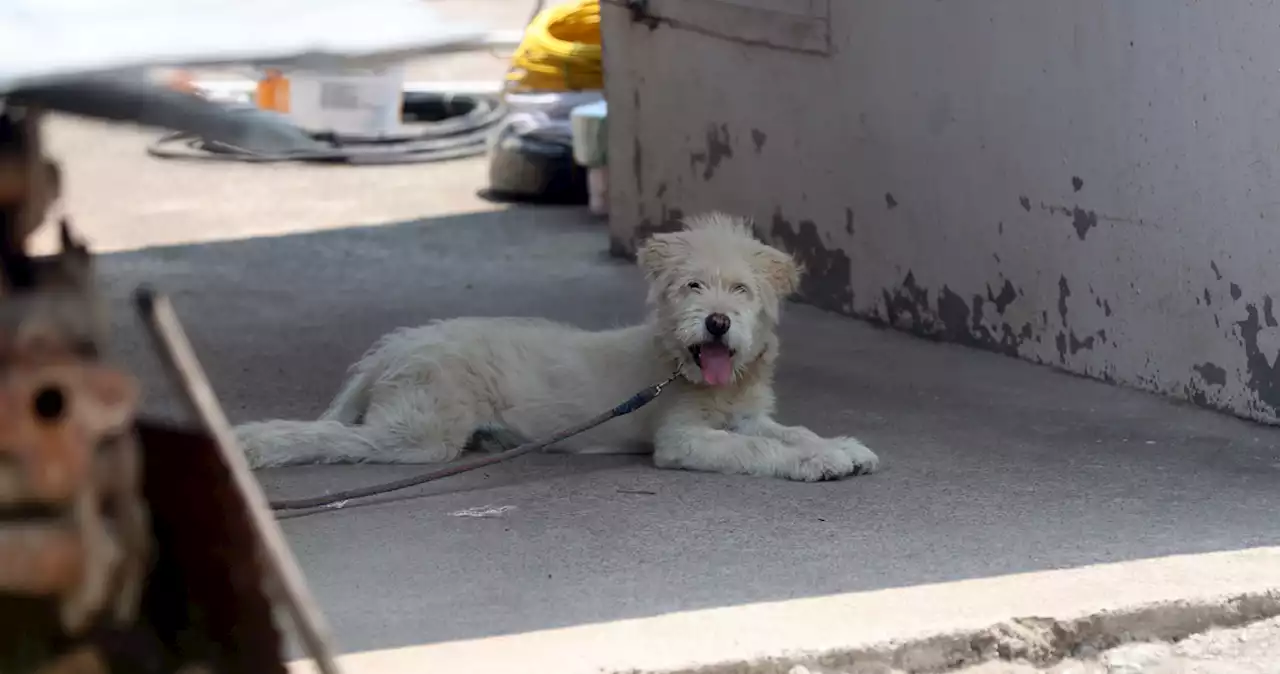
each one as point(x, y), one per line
point(560, 50)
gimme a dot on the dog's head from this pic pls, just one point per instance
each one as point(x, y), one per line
point(716, 292)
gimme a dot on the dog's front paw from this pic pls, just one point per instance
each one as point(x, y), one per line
point(822, 463)
point(865, 461)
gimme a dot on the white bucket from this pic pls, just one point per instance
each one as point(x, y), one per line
point(364, 103)
point(590, 126)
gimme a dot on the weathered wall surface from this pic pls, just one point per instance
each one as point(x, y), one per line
point(1088, 184)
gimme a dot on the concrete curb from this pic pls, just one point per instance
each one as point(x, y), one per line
point(1041, 617)
point(1041, 642)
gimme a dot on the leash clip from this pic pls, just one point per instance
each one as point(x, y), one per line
point(657, 389)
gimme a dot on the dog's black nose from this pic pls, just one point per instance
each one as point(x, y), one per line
point(717, 325)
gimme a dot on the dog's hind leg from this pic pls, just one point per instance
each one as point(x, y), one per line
point(285, 443)
point(492, 438)
point(415, 426)
point(404, 426)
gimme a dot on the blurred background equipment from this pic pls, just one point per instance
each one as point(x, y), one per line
point(365, 111)
point(590, 126)
point(131, 545)
point(373, 115)
point(556, 68)
point(560, 50)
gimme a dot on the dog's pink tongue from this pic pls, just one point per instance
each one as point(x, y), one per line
point(717, 364)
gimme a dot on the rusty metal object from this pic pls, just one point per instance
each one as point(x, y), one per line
point(208, 582)
point(176, 352)
point(125, 546)
point(80, 661)
point(74, 534)
point(29, 182)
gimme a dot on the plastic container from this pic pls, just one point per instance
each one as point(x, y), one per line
point(590, 127)
point(352, 103)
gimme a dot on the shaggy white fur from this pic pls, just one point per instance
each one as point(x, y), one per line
point(423, 395)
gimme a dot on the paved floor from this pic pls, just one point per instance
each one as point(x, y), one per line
point(992, 465)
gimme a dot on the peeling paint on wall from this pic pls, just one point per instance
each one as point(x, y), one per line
point(719, 147)
point(1264, 375)
point(670, 220)
point(827, 279)
point(1212, 374)
point(908, 300)
point(1064, 291)
point(637, 156)
point(1083, 221)
point(1164, 295)
point(907, 307)
point(1077, 345)
point(1006, 297)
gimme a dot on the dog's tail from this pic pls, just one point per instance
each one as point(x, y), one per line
point(352, 401)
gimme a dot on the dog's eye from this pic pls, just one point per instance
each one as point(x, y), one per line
point(695, 285)
point(740, 288)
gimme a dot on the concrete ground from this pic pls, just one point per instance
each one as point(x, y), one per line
point(285, 274)
point(993, 466)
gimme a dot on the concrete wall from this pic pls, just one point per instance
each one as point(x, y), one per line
point(1089, 184)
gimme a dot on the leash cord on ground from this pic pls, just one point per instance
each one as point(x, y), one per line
point(340, 499)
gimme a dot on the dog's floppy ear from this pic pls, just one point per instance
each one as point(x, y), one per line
point(779, 268)
point(657, 254)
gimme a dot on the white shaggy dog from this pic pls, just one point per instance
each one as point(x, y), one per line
point(423, 395)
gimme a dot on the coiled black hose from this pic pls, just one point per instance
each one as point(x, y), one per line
point(448, 126)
